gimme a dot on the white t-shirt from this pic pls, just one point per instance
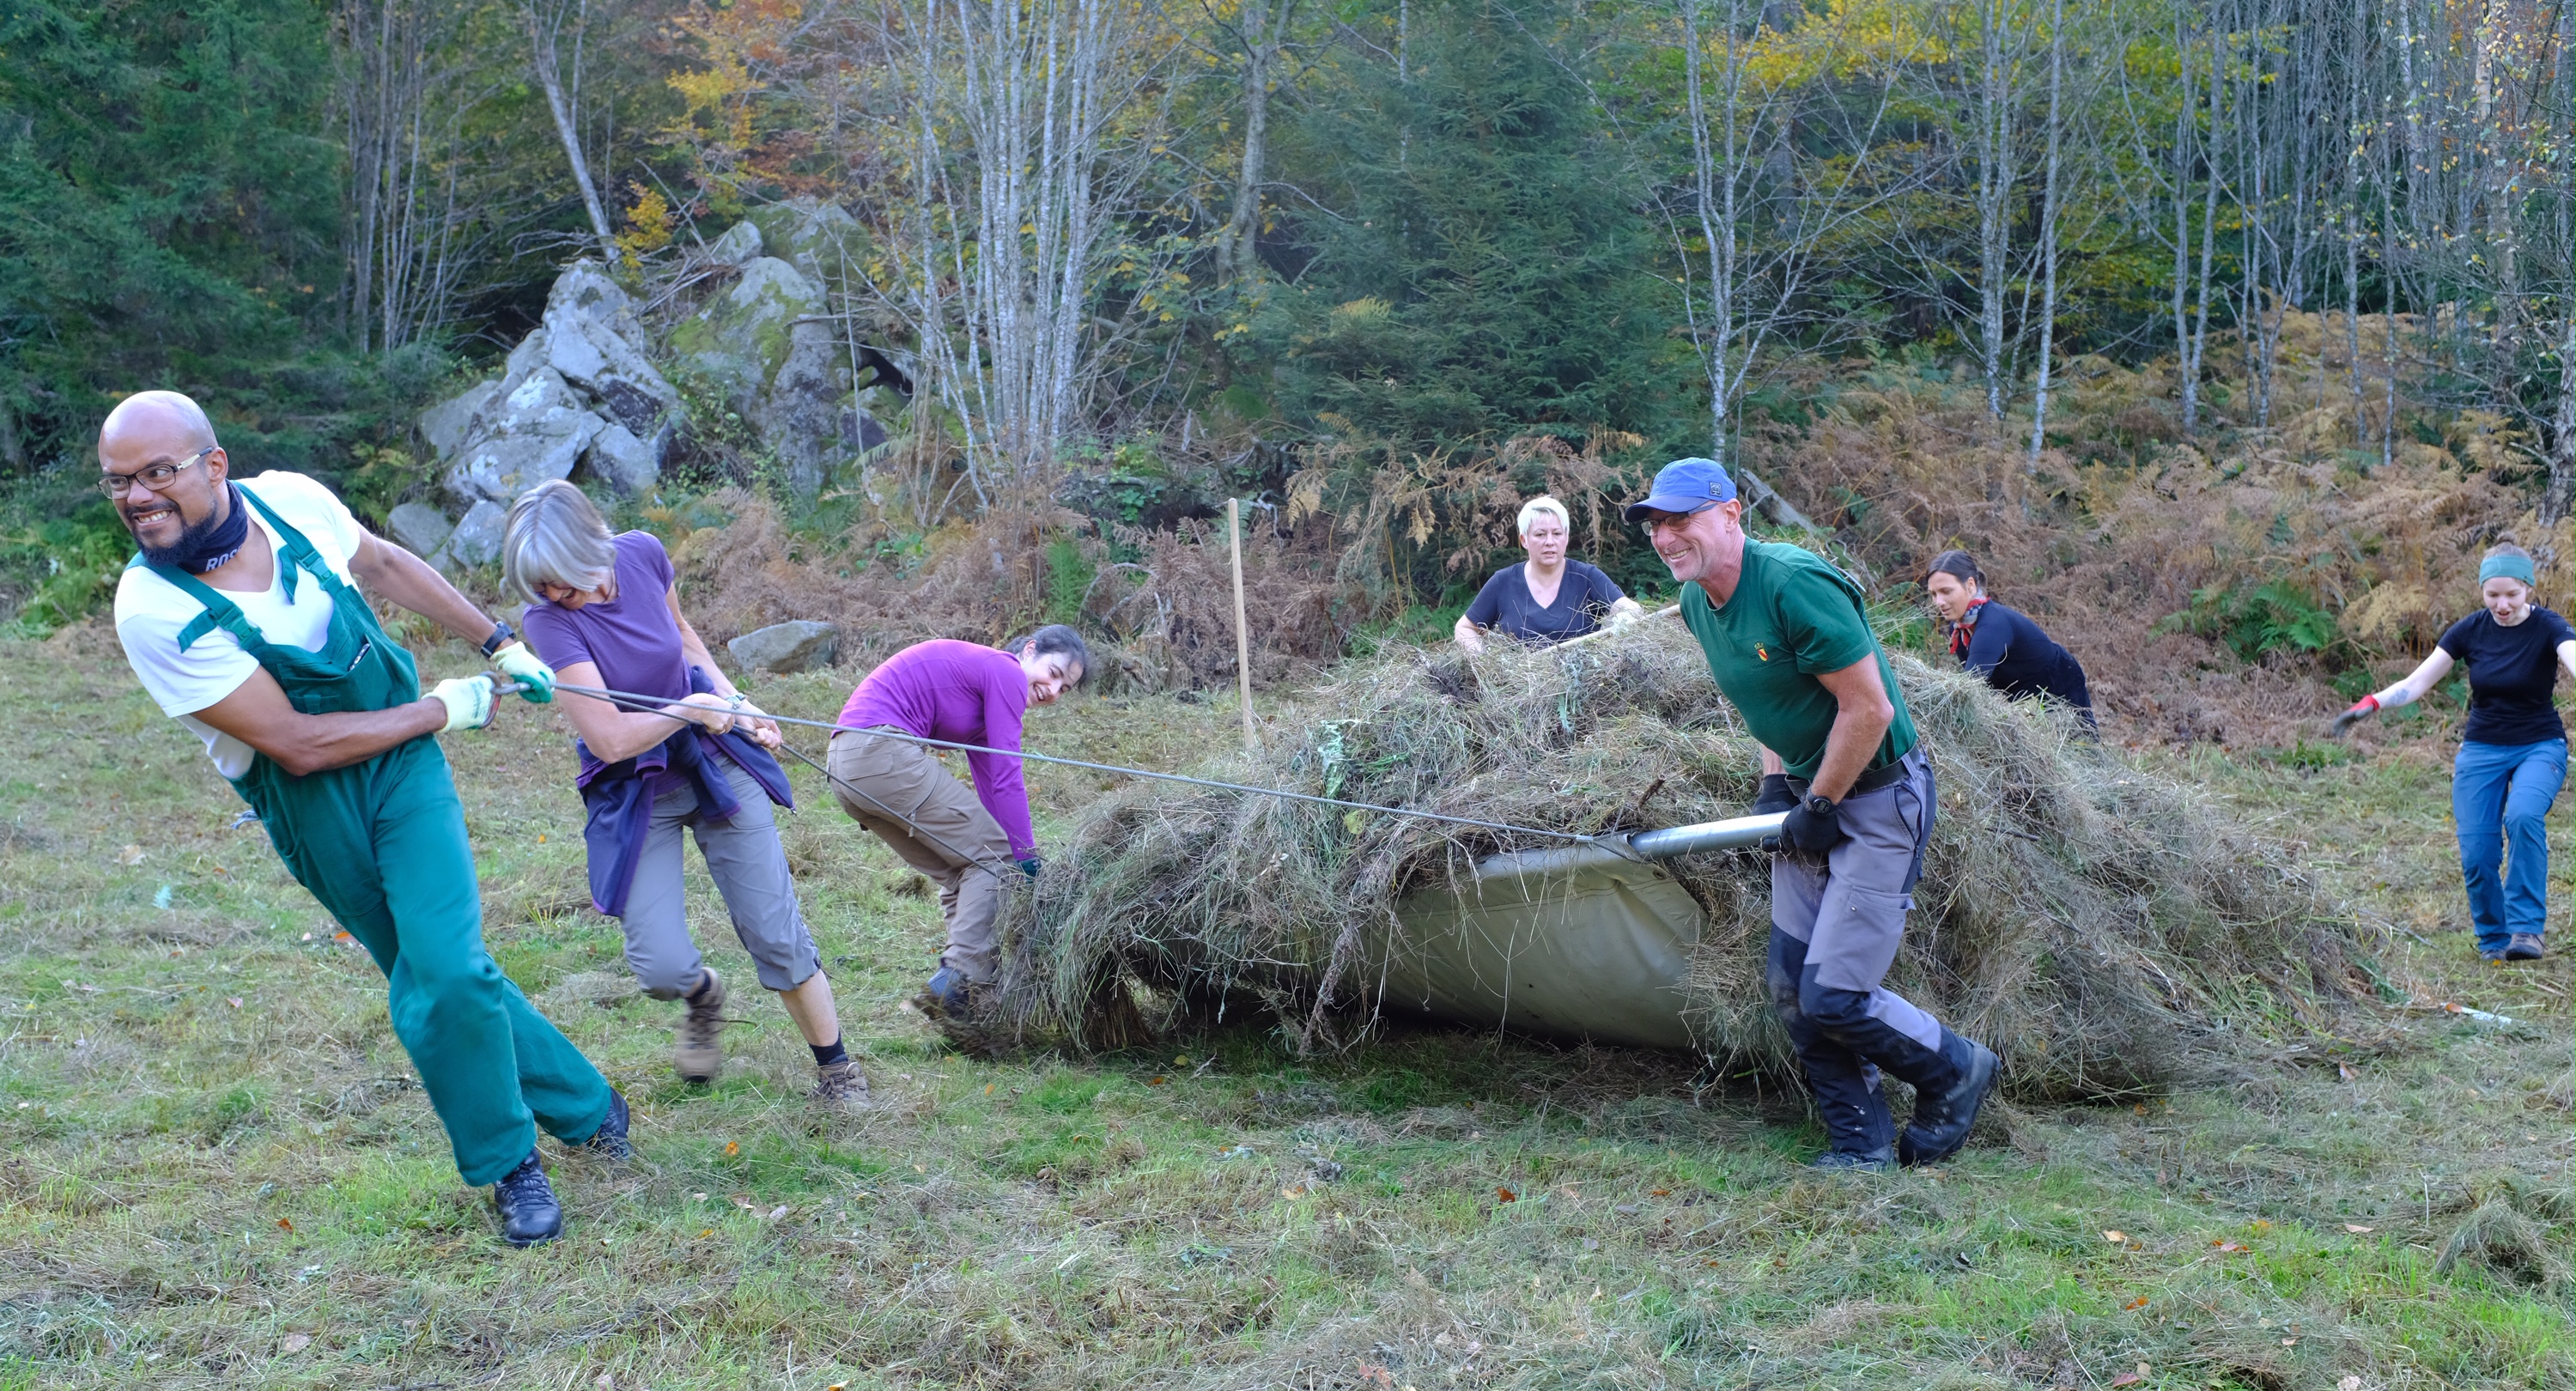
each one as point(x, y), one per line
point(150, 612)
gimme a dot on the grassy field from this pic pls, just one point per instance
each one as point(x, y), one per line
point(214, 1169)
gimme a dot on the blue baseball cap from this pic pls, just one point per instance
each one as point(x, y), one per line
point(1685, 486)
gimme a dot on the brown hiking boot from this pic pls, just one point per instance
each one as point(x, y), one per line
point(841, 1084)
point(694, 1053)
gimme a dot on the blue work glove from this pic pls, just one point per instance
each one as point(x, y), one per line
point(1774, 795)
point(1031, 866)
point(468, 700)
point(536, 679)
point(1813, 827)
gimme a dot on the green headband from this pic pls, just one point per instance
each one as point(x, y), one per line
point(2508, 567)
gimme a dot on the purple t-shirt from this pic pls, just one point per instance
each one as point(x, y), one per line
point(965, 693)
point(631, 638)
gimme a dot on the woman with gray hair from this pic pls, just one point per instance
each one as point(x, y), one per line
point(606, 611)
point(1547, 598)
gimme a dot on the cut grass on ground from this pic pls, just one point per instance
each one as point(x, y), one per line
point(218, 1172)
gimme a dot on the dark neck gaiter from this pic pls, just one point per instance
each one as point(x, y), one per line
point(208, 543)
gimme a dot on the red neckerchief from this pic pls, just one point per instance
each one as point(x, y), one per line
point(1966, 627)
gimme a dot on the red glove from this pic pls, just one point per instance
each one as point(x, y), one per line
point(2367, 705)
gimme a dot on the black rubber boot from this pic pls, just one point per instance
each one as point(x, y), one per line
point(530, 1215)
point(1942, 1118)
point(609, 1141)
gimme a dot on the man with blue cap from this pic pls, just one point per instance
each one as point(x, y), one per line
point(1789, 641)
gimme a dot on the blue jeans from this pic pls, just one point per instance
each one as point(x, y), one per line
point(2502, 793)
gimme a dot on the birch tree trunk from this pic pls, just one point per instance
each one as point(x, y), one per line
point(2048, 219)
point(1017, 184)
point(546, 20)
point(1264, 36)
point(1998, 175)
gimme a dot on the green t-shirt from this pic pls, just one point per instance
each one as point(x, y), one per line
point(1792, 616)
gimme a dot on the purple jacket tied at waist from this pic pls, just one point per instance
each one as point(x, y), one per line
point(965, 693)
point(620, 796)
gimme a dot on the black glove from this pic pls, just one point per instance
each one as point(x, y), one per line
point(1813, 826)
point(1031, 866)
point(1774, 795)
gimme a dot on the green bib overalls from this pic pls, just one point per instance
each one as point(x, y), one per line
point(382, 845)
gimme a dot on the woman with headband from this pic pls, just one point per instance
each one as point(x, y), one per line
point(2513, 752)
point(2002, 644)
point(1547, 598)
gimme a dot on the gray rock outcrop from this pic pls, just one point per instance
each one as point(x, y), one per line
point(533, 434)
point(786, 648)
point(477, 538)
point(420, 528)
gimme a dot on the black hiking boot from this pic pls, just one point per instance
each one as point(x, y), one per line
point(1941, 1122)
point(694, 1052)
point(949, 995)
point(529, 1213)
point(2525, 946)
point(609, 1141)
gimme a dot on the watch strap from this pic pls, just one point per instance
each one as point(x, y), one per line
point(502, 634)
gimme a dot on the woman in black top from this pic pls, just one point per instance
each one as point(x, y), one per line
point(1546, 598)
point(1999, 643)
point(2513, 752)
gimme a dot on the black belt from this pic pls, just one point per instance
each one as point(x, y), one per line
point(1870, 781)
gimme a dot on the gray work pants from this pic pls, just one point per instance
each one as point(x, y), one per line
point(750, 869)
point(933, 822)
point(1836, 924)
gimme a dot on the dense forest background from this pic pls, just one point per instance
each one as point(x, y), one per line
point(2226, 327)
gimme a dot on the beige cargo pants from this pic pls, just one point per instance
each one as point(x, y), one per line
point(897, 790)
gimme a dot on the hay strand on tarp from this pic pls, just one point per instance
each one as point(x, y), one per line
point(2107, 929)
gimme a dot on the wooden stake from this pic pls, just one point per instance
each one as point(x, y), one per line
point(1242, 637)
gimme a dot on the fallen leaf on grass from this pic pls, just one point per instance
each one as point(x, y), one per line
point(2127, 1379)
point(289, 1226)
point(732, 1148)
point(2227, 1246)
point(1507, 1195)
point(1660, 1192)
point(2116, 1238)
point(2356, 1228)
point(130, 855)
point(1155, 1081)
point(707, 1233)
point(777, 1212)
point(294, 1343)
point(2260, 1225)
point(233, 1000)
point(1292, 1193)
point(2289, 1342)
point(2346, 1070)
point(2138, 1303)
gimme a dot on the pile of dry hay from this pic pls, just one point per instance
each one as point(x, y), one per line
point(2109, 932)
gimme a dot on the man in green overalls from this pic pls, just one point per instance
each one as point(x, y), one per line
point(242, 617)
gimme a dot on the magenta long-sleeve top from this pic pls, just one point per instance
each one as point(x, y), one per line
point(965, 693)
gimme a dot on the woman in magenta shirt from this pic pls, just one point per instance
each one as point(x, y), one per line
point(964, 693)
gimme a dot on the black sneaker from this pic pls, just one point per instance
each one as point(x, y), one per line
point(2525, 946)
point(609, 1141)
point(1851, 1161)
point(1940, 1124)
point(530, 1215)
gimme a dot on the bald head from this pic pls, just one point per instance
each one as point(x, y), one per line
point(161, 423)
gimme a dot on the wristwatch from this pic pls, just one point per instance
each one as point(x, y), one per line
point(502, 635)
point(1819, 804)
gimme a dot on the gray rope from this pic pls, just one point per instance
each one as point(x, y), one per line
point(652, 705)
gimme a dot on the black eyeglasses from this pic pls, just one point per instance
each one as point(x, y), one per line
point(153, 477)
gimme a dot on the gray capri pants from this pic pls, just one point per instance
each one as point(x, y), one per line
point(750, 869)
